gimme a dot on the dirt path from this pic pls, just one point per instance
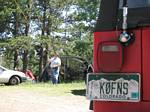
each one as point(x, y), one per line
point(27, 101)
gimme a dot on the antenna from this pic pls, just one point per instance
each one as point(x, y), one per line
point(125, 15)
point(124, 37)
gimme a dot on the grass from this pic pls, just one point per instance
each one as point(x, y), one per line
point(74, 88)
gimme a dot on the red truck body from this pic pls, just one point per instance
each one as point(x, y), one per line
point(133, 58)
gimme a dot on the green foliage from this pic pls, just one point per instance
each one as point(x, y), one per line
point(72, 19)
point(22, 42)
point(84, 48)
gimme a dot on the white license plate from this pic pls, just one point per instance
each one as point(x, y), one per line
point(113, 86)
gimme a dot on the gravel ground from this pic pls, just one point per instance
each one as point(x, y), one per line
point(28, 101)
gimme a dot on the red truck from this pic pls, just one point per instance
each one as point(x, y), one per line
point(121, 78)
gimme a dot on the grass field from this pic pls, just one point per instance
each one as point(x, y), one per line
point(44, 97)
point(74, 88)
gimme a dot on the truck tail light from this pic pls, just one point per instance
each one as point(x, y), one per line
point(110, 56)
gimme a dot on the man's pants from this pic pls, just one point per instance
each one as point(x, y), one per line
point(55, 75)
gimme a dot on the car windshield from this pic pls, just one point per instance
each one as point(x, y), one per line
point(135, 4)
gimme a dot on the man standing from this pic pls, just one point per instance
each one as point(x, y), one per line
point(55, 63)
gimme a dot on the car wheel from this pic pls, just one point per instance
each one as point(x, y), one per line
point(19, 81)
point(14, 80)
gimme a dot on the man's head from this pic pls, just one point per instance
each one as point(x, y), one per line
point(56, 54)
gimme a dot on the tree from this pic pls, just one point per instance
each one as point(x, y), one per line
point(42, 47)
point(5, 18)
point(59, 25)
point(80, 18)
point(21, 45)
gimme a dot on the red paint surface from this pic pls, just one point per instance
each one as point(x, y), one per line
point(146, 63)
point(136, 58)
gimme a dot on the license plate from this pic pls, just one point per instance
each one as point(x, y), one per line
point(113, 87)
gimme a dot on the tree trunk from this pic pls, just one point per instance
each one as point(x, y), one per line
point(16, 25)
point(41, 64)
point(41, 60)
point(16, 60)
point(25, 60)
point(27, 26)
point(27, 19)
point(48, 27)
point(44, 17)
point(45, 56)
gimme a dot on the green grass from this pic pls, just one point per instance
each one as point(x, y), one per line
point(74, 88)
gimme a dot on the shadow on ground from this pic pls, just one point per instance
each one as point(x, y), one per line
point(80, 92)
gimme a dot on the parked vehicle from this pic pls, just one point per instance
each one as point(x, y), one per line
point(121, 78)
point(72, 68)
point(11, 77)
point(30, 76)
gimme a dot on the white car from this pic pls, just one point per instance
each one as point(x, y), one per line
point(11, 77)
